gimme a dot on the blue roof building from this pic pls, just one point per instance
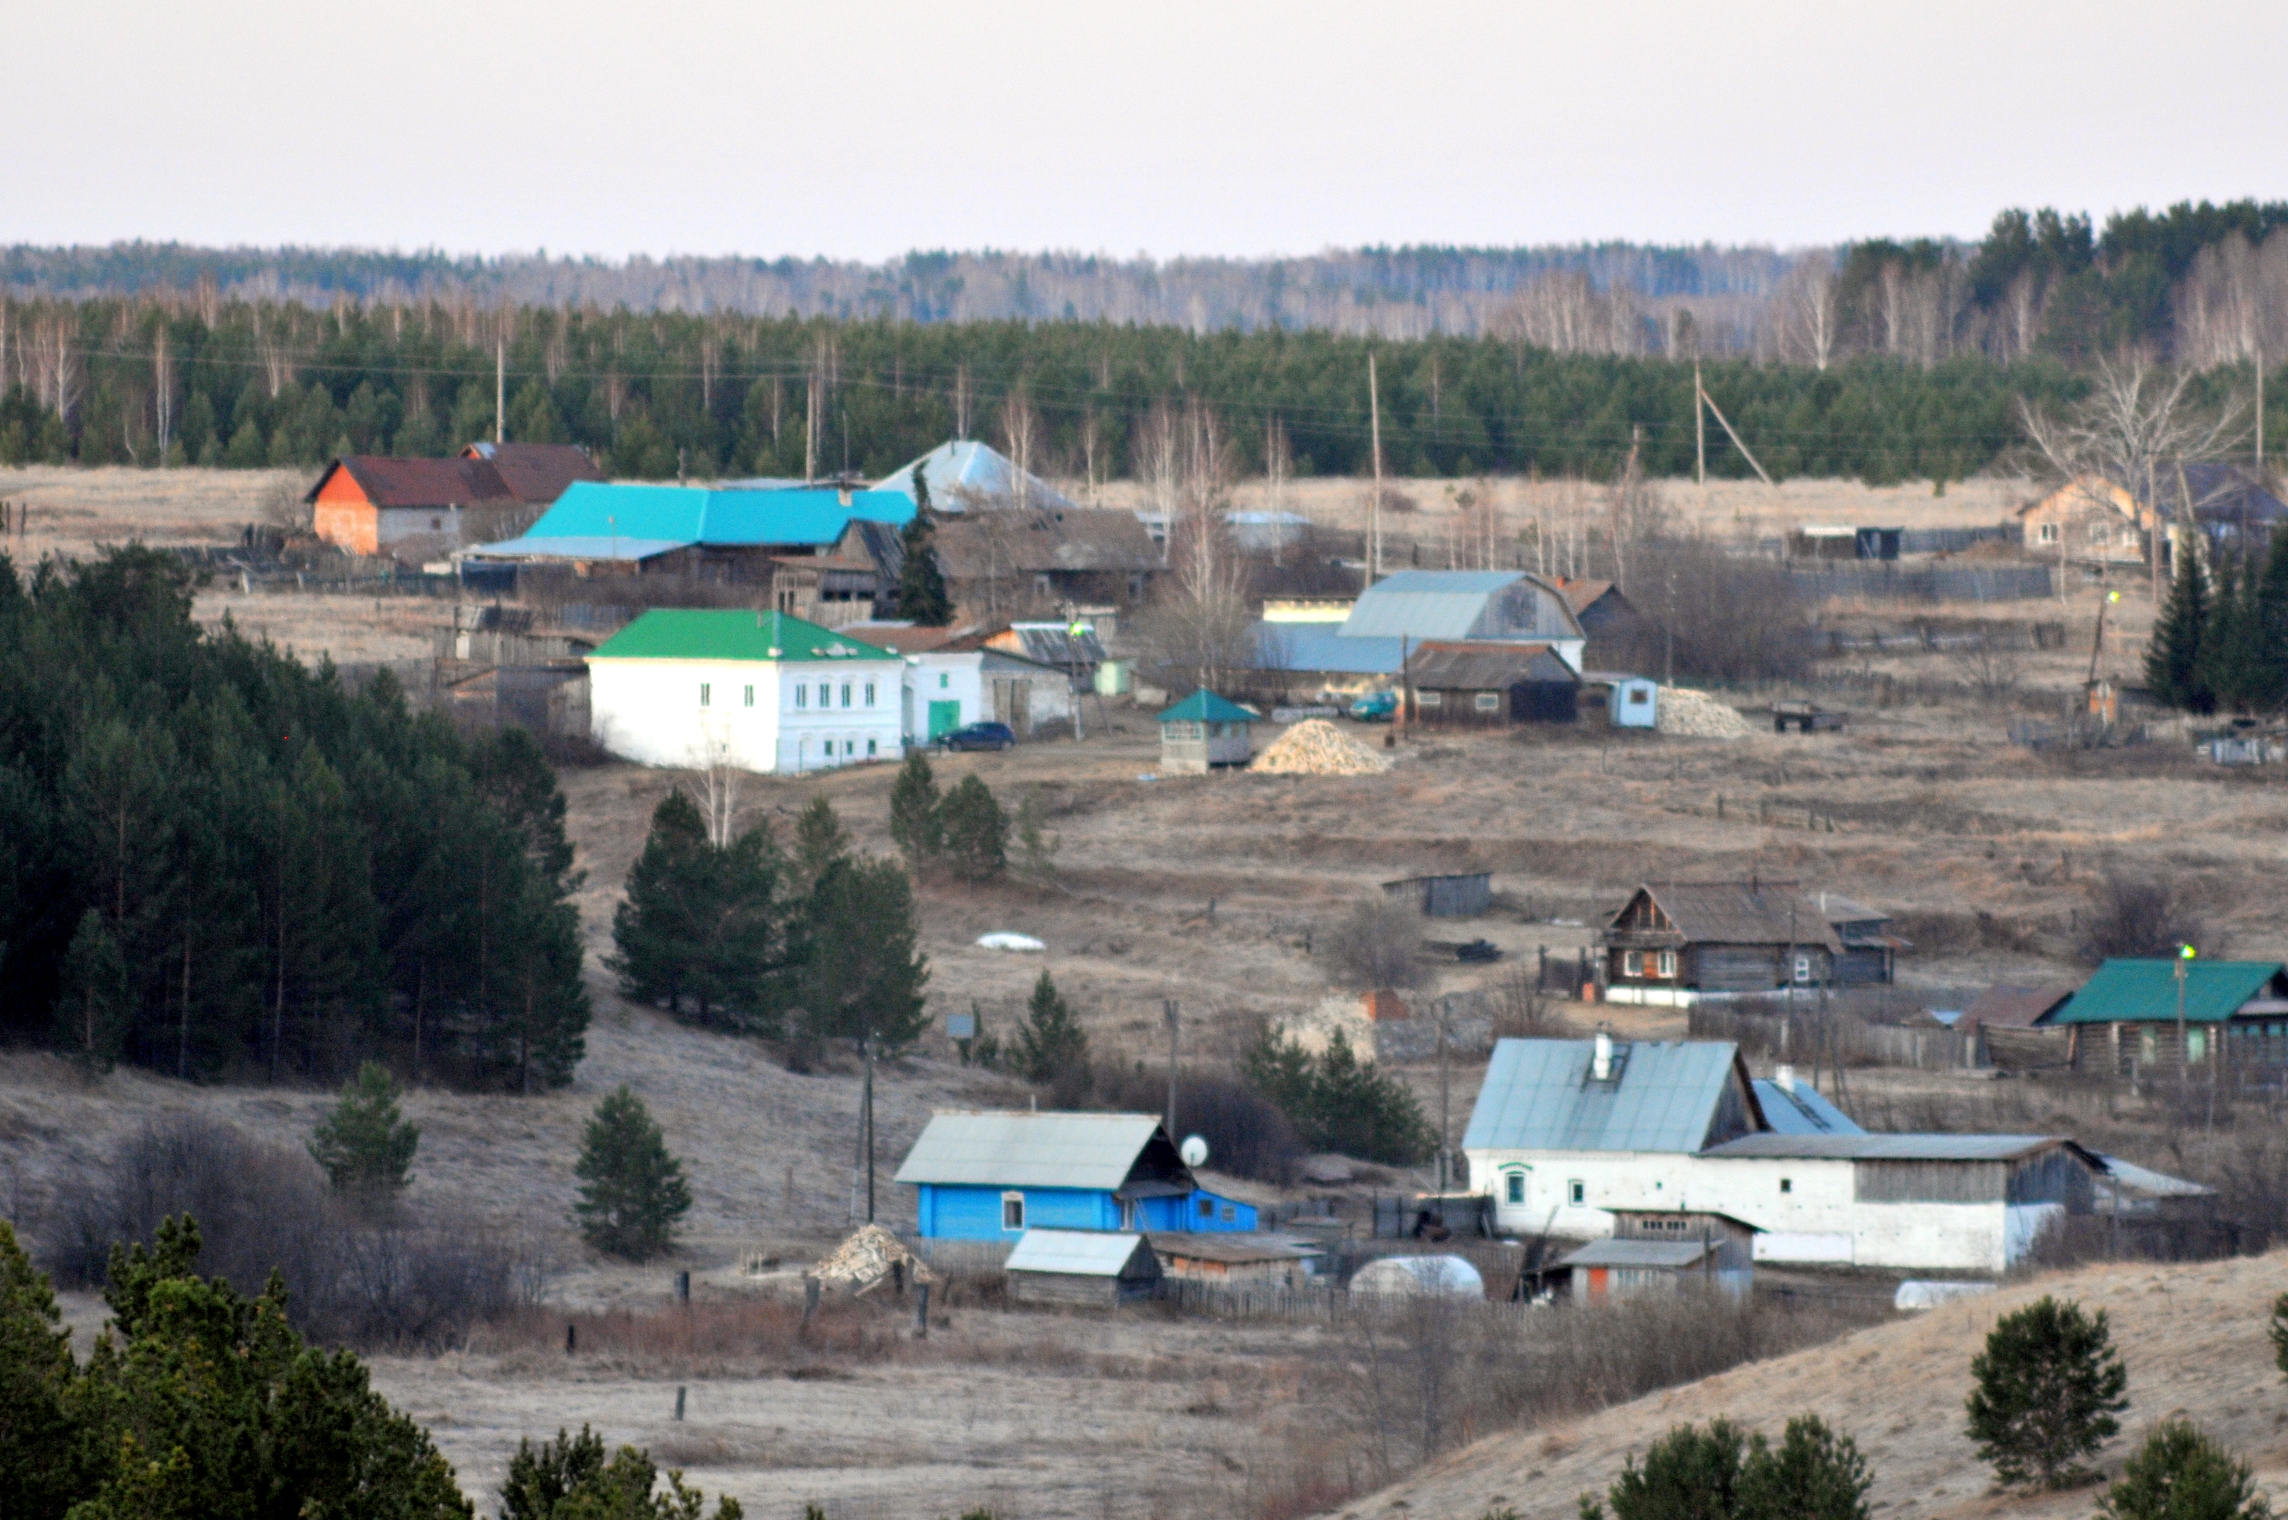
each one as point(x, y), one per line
point(625, 522)
point(993, 1176)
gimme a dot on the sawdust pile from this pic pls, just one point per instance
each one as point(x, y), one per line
point(1316, 747)
point(1695, 715)
point(864, 1260)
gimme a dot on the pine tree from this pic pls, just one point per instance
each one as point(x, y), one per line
point(1688, 1474)
point(92, 1014)
point(632, 1191)
point(862, 976)
point(657, 928)
point(819, 841)
point(569, 1479)
point(1815, 1473)
point(2181, 1474)
point(2049, 1386)
point(365, 1144)
point(37, 1462)
point(2268, 690)
point(1051, 1046)
point(914, 823)
point(922, 595)
point(2173, 669)
point(975, 832)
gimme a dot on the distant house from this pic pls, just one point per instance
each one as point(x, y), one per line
point(2124, 1019)
point(765, 691)
point(1620, 637)
point(414, 509)
point(1679, 943)
point(2095, 520)
point(1490, 685)
point(993, 1176)
point(957, 676)
point(965, 475)
point(1468, 606)
point(1663, 1250)
point(1870, 947)
point(1085, 1268)
point(1005, 561)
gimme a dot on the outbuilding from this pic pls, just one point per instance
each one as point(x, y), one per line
point(1491, 685)
point(1094, 1269)
point(1204, 731)
point(1233, 1258)
point(1465, 895)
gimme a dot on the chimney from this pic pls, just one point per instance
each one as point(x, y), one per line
point(842, 492)
point(1601, 1064)
point(1785, 1076)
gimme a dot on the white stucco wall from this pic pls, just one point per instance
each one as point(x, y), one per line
point(767, 713)
point(1816, 1218)
point(951, 677)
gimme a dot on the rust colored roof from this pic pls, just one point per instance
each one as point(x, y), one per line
point(418, 482)
point(1580, 594)
point(912, 640)
point(536, 472)
point(2012, 1007)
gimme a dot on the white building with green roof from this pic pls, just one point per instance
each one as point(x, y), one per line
point(763, 690)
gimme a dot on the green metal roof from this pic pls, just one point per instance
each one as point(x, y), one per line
point(1204, 706)
point(2131, 992)
point(679, 633)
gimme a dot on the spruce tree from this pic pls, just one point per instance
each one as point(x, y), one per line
point(2173, 668)
point(922, 595)
point(2049, 1384)
point(975, 832)
point(914, 822)
point(365, 1144)
point(93, 1013)
point(2232, 650)
point(632, 1191)
point(862, 975)
point(1051, 1047)
point(2268, 690)
point(658, 927)
point(819, 841)
point(2181, 1474)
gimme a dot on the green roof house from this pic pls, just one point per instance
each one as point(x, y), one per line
point(762, 691)
point(1204, 731)
point(2125, 1018)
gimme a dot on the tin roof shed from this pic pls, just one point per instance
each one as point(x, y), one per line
point(1078, 1253)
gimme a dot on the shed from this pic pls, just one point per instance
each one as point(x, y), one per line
point(1460, 896)
point(1491, 684)
point(1203, 731)
point(1635, 702)
point(1232, 1258)
point(1615, 1267)
point(1100, 1269)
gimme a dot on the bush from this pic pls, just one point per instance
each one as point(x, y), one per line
point(1731, 618)
point(365, 1145)
point(1247, 1134)
point(568, 1479)
point(2141, 917)
point(1713, 1474)
point(2183, 1475)
point(2278, 1331)
point(631, 1190)
point(1377, 944)
point(974, 831)
point(1815, 1474)
point(2049, 1385)
point(1688, 1474)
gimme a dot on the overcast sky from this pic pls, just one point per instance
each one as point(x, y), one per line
point(863, 128)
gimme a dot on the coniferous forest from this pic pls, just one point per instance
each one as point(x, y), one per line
point(218, 863)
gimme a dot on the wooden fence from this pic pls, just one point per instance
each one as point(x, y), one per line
point(1808, 1035)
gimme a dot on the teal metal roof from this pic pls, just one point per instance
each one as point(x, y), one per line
point(2140, 991)
point(707, 633)
point(1538, 1097)
point(699, 515)
point(1204, 706)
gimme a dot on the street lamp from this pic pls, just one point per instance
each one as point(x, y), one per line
point(2185, 957)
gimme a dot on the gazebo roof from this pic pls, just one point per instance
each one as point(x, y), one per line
point(1204, 706)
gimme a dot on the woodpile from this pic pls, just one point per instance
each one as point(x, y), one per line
point(1316, 747)
point(863, 1262)
point(1695, 715)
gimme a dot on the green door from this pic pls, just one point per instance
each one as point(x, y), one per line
point(944, 718)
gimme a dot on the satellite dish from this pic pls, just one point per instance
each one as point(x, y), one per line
point(1194, 1151)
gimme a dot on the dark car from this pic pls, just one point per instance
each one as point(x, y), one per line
point(980, 736)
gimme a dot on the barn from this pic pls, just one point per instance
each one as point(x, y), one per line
point(1094, 1269)
point(1483, 685)
point(414, 509)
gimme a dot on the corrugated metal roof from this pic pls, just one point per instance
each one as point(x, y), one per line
point(1865, 1147)
point(697, 515)
point(1666, 1254)
point(618, 550)
point(1738, 913)
point(537, 472)
point(388, 482)
point(1484, 666)
point(1232, 1248)
point(1052, 1150)
point(683, 633)
point(2142, 991)
point(1537, 1096)
point(1081, 1253)
point(1323, 647)
point(1462, 604)
point(1800, 1110)
point(2014, 1007)
point(963, 473)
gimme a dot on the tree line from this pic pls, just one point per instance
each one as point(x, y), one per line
point(221, 864)
point(168, 380)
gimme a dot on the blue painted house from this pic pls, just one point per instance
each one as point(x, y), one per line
point(992, 1176)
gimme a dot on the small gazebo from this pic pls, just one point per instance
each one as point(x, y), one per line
point(1203, 731)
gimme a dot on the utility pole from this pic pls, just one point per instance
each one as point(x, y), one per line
point(2185, 955)
point(1170, 1010)
point(1374, 506)
point(1699, 430)
point(1445, 1102)
point(868, 1044)
point(810, 431)
point(2260, 412)
point(500, 388)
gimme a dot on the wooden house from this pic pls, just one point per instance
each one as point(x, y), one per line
point(1094, 1269)
point(1490, 685)
point(993, 1176)
point(1204, 731)
point(1870, 946)
point(2125, 1021)
point(1664, 1250)
point(2093, 520)
point(1621, 638)
point(1679, 943)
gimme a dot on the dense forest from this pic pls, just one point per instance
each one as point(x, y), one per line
point(218, 863)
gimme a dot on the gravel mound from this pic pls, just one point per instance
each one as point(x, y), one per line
point(1316, 747)
point(1696, 715)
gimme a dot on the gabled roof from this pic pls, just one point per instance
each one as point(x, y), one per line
point(2142, 991)
point(1489, 666)
point(683, 633)
point(1462, 604)
point(907, 638)
point(1204, 706)
point(536, 472)
point(1580, 595)
point(697, 515)
point(1049, 643)
point(387, 482)
point(1667, 1255)
point(1738, 913)
point(613, 550)
point(1042, 1150)
point(1801, 1110)
point(1324, 647)
point(1538, 1096)
point(2013, 1007)
point(1081, 1253)
point(1234, 1248)
point(964, 473)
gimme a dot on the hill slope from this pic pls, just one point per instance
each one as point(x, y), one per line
point(2193, 1337)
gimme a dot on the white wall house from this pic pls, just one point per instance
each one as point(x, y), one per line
point(1566, 1132)
point(765, 690)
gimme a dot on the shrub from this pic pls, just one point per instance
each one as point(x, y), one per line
point(2049, 1386)
point(1713, 1474)
point(2142, 917)
point(1815, 1474)
point(2183, 1475)
point(631, 1190)
point(1377, 944)
point(1051, 1046)
point(365, 1145)
point(1688, 1474)
point(569, 1479)
point(975, 832)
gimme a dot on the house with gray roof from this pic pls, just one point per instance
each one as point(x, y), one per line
point(993, 1176)
point(1674, 944)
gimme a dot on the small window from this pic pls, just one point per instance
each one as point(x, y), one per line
point(869, 693)
point(1632, 963)
point(1516, 1193)
point(1012, 1211)
point(870, 749)
point(1803, 968)
point(845, 693)
point(1666, 963)
point(436, 524)
point(1430, 699)
point(706, 694)
point(1576, 1191)
point(750, 696)
point(1638, 696)
point(1489, 701)
point(943, 681)
point(1787, 1184)
point(1207, 1208)
point(2049, 533)
point(801, 695)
